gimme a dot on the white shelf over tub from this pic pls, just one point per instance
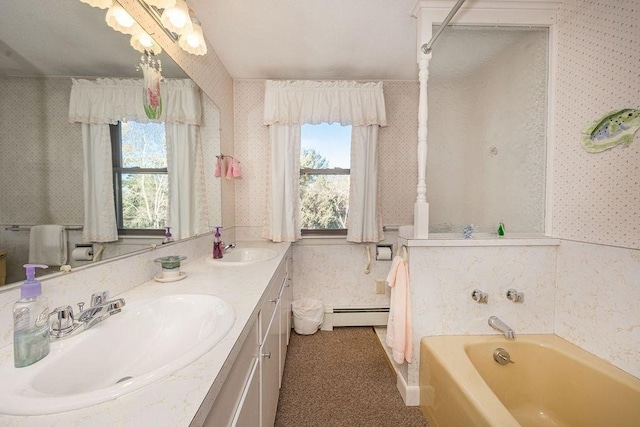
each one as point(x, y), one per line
point(479, 239)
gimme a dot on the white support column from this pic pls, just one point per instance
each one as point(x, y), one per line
point(421, 207)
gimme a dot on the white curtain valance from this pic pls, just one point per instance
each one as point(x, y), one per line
point(312, 102)
point(107, 101)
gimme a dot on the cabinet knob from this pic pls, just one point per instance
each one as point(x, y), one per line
point(267, 354)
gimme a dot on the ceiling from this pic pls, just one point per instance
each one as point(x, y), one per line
point(312, 39)
point(255, 39)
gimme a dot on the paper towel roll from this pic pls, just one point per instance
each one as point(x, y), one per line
point(383, 253)
point(82, 253)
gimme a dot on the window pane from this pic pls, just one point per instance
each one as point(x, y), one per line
point(143, 145)
point(331, 142)
point(324, 201)
point(144, 200)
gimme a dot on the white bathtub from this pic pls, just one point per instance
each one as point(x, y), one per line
point(551, 383)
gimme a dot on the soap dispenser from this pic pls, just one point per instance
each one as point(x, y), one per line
point(168, 238)
point(217, 245)
point(30, 321)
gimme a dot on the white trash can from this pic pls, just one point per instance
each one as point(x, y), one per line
point(307, 315)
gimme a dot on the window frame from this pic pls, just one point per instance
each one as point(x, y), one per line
point(115, 132)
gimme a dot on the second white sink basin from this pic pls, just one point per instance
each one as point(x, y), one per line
point(243, 256)
point(145, 343)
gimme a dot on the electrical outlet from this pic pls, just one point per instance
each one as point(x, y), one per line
point(380, 286)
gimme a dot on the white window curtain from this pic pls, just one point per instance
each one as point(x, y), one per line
point(283, 181)
point(98, 103)
point(99, 210)
point(289, 104)
point(364, 223)
point(187, 198)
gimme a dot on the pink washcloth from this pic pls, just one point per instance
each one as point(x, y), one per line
point(237, 172)
point(399, 331)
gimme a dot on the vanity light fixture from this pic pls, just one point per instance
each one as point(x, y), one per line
point(193, 41)
point(174, 16)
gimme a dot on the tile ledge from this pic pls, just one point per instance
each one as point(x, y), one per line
point(448, 240)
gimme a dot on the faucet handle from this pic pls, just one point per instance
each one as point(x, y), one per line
point(64, 318)
point(515, 296)
point(480, 297)
point(99, 298)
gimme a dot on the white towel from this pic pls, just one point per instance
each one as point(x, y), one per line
point(48, 245)
point(399, 330)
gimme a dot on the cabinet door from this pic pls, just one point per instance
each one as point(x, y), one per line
point(248, 414)
point(269, 370)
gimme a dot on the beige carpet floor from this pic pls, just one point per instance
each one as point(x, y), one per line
point(341, 378)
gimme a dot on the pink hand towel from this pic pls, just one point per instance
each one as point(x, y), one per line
point(399, 330)
point(237, 172)
point(218, 172)
point(229, 174)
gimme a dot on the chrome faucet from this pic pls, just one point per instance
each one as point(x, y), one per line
point(229, 246)
point(66, 325)
point(499, 325)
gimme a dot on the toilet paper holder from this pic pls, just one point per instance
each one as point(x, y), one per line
point(82, 252)
point(384, 252)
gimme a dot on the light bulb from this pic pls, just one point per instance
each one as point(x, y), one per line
point(193, 41)
point(145, 40)
point(141, 41)
point(123, 17)
point(120, 20)
point(176, 19)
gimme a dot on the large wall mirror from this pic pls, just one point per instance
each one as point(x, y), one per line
point(487, 126)
point(43, 45)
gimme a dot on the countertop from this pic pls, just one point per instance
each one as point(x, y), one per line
point(175, 400)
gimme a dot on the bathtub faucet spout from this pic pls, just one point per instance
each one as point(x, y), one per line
point(499, 325)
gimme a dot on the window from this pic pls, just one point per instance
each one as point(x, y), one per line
point(324, 178)
point(140, 177)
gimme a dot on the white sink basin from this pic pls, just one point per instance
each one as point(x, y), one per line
point(144, 343)
point(243, 256)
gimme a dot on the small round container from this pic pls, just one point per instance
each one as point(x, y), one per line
point(170, 265)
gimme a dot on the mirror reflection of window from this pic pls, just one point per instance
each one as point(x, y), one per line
point(487, 129)
point(140, 176)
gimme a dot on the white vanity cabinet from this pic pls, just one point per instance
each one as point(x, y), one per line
point(249, 395)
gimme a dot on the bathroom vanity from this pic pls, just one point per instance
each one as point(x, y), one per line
point(234, 383)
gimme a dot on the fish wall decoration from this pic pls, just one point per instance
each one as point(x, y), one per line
point(614, 128)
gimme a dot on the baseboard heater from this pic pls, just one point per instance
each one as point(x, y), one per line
point(355, 316)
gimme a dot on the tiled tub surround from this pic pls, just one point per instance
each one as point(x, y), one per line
point(597, 303)
point(175, 399)
point(444, 272)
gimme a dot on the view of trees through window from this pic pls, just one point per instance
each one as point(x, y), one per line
point(144, 192)
point(324, 176)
